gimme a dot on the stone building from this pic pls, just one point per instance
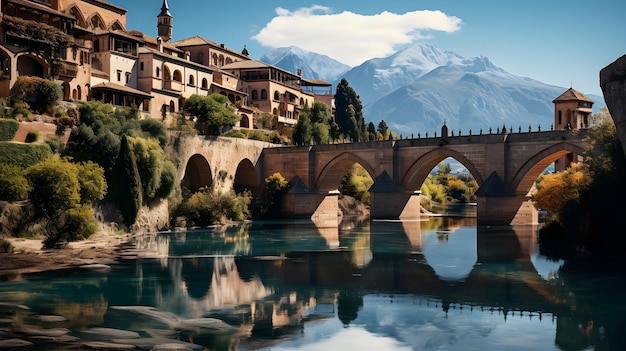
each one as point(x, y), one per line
point(93, 56)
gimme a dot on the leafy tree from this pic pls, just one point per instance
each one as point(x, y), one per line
point(153, 128)
point(371, 131)
point(275, 188)
point(41, 94)
point(56, 197)
point(93, 185)
point(349, 112)
point(54, 187)
point(302, 133)
point(13, 184)
point(206, 208)
point(356, 183)
point(556, 190)
point(213, 112)
point(382, 127)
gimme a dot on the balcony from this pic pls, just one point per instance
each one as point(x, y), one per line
point(173, 85)
point(67, 69)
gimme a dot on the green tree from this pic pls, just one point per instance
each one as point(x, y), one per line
point(371, 132)
point(93, 185)
point(275, 188)
point(356, 183)
point(382, 127)
point(127, 188)
point(302, 133)
point(13, 184)
point(56, 198)
point(349, 112)
point(213, 112)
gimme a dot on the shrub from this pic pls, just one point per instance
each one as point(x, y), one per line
point(32, 136)
point(23, 155)
point(66, 121)
point(8, 128)
point(55, 145)
point(206, 208)
point(6, 246)
point(21, 108)
point(13, 184)
point(41, 94)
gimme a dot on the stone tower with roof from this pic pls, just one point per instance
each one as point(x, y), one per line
point(572, 110)
point(164, 23)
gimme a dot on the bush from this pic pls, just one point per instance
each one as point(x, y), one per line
point(8, 128)
point(6, 246)
point(21, 108)
point(32, 136)
point(206, 208)
point(41, 94)
point(23, 155)
point(13, 184)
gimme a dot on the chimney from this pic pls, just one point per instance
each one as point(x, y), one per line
point(222, 46)
point(188, 55)
point(160, 44)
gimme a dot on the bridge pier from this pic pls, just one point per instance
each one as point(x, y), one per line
point(395, 205)
point(506, 210)
point(321, 208)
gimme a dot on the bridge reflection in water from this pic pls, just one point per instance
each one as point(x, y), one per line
point(387, 284)
point(271, 279)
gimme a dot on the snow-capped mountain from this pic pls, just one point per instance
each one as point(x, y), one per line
point(313, 65)
point(420, 87)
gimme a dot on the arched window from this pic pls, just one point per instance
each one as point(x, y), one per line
point(255, 94)
point(178, 76)
point(205, 83)
point(221, 60)
point(229, 60)
point(214, 59)
point(276, 95)
point(263, 94)
point(191, 80)
point(172, 106)
point(158, 72)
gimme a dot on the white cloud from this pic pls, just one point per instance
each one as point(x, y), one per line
point(350, 37)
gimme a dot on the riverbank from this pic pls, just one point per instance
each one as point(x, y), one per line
point(28, 255)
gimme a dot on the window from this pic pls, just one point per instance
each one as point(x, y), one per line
point(141, 65)
point(205, 83)
point(276, 95)
point(560, 118)
point(119, 75)
point(255, 95)
point(191, 80)
point(263, 94)
point(158, 72)
point(127, 77)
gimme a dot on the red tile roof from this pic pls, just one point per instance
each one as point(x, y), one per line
point(572, 95)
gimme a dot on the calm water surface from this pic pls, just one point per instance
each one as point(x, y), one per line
point(439, 284)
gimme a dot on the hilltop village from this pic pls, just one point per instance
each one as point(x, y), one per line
point(86, 48)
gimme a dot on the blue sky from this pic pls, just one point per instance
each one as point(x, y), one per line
point(557, 42)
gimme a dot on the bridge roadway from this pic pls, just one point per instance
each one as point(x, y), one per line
point(505, 166)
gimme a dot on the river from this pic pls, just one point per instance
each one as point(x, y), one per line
point(436, 284)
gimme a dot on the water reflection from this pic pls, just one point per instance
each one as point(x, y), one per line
point(436, 284)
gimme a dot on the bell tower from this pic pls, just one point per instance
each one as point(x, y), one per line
point(164, 23)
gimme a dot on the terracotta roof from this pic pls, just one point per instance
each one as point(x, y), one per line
point(40, 7)
point(315, 82)
point(120, 88)
point(199, 41)
point(572, 95)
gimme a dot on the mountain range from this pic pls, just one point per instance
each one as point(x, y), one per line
point(420, 87)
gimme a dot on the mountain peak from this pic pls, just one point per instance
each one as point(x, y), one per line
point(313, 65)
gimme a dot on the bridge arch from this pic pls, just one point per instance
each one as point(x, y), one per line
point(530, 171)
point(246, 177)
point(197, 173)
point(334, 171)
point(419, 171)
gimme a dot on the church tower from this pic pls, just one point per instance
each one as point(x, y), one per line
point(165, 23)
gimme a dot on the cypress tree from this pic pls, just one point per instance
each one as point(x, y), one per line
point(348, 105)
point(127, 183)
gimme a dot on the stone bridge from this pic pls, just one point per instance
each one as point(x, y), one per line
point(504, 165)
